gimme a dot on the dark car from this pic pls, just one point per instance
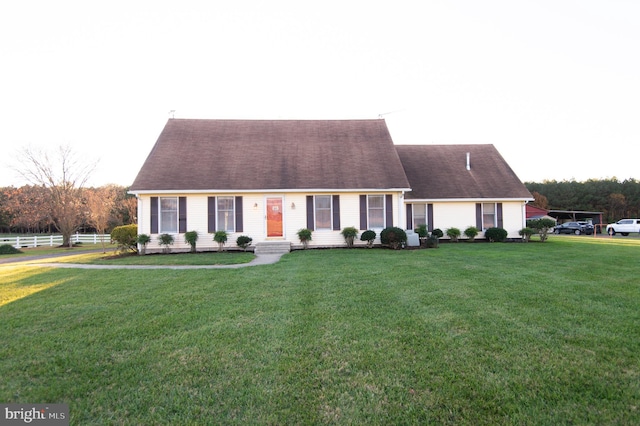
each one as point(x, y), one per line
point(589, 229)
point(574, 228)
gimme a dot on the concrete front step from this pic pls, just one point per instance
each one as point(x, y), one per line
point(273, 247)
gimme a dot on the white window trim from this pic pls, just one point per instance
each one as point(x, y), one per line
point(161, 222)
point(413, 214)
point(233, 213)
point(315, 211)
point(495, 215)
point(384, 211)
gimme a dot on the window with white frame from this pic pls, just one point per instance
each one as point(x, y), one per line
point(375, 211)
point(168, 215)
point(226, 214)
point(323, 211)
point(488, 215)
point(419, 212)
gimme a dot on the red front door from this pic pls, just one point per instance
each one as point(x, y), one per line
point(274, 217)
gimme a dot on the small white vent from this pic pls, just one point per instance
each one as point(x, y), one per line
point(468, 161)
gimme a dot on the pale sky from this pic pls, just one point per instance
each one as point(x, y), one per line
point(553, 84)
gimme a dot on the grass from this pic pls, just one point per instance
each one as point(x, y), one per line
point(204, 258)
point(465, 334)
point(47, 250)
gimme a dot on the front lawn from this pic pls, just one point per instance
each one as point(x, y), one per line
point(62, 251)
point(464, 334)
point(202, 258)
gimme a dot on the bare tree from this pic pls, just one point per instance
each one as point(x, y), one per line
point(100, 203)
point(131, 206)
point(64, 177)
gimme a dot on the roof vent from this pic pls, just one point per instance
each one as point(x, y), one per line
point(468, 161)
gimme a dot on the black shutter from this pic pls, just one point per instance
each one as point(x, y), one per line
point(388, 205)
point(154, 215)
point(310, 221)
point(239, 211)
point(363, 212)
point(211, 214)
point(429, 217)
point(182, 214)
point(479, 216)
point(499, 214)
point(409, 216)
point(336, 212)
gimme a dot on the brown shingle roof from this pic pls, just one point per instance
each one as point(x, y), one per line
point(440, 172)
point(272, 154)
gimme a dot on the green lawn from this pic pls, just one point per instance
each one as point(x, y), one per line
point(46, 250)
point(203, 258)
point(464, 334)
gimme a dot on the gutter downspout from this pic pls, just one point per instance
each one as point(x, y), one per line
point(402, 218)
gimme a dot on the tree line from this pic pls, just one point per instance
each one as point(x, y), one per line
point(30, 209)
point(56, 199)
point(616, 199)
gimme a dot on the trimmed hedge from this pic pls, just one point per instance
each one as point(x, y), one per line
point(126, 237)
point(495, 234)
point(393, 236)
point(9, 249)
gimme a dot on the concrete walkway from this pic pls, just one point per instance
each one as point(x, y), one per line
point(262, 259)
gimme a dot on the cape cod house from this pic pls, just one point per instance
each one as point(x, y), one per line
point(269, 178)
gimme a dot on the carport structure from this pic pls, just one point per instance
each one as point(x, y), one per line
point(595, 218)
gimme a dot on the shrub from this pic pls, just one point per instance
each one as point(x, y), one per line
point(369, 236)
point(471, 232)
point(220, 237)
point(9, 249)
point(495, 234)
point(393, 237)
point(243, 242)
point(349, 233)
point(126, 237)
point(166, 240)
point(304, 235)
point(542, 227)
point(433, 242)
point(454, 234)
point(190, 238)
point(422, 231)
point(526, 233)
point(433, 239)
point(143, 240)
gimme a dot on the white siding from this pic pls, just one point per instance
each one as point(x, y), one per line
point(254, 219)
point(461, 215)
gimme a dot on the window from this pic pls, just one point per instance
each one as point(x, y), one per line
point(323, 211)
point(488, 215)
point(226, 214)
point(375, 210)
point(419, 215)
point(168, 215)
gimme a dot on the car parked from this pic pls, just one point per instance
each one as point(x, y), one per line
point(624, 227)
point(589, 229)
point(574, 228)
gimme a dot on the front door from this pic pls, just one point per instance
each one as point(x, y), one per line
point(274, 217)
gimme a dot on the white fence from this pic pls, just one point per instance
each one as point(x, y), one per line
point(53, 240)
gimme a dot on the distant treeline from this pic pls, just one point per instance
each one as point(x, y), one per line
point(616, 199)
point(28, 209)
